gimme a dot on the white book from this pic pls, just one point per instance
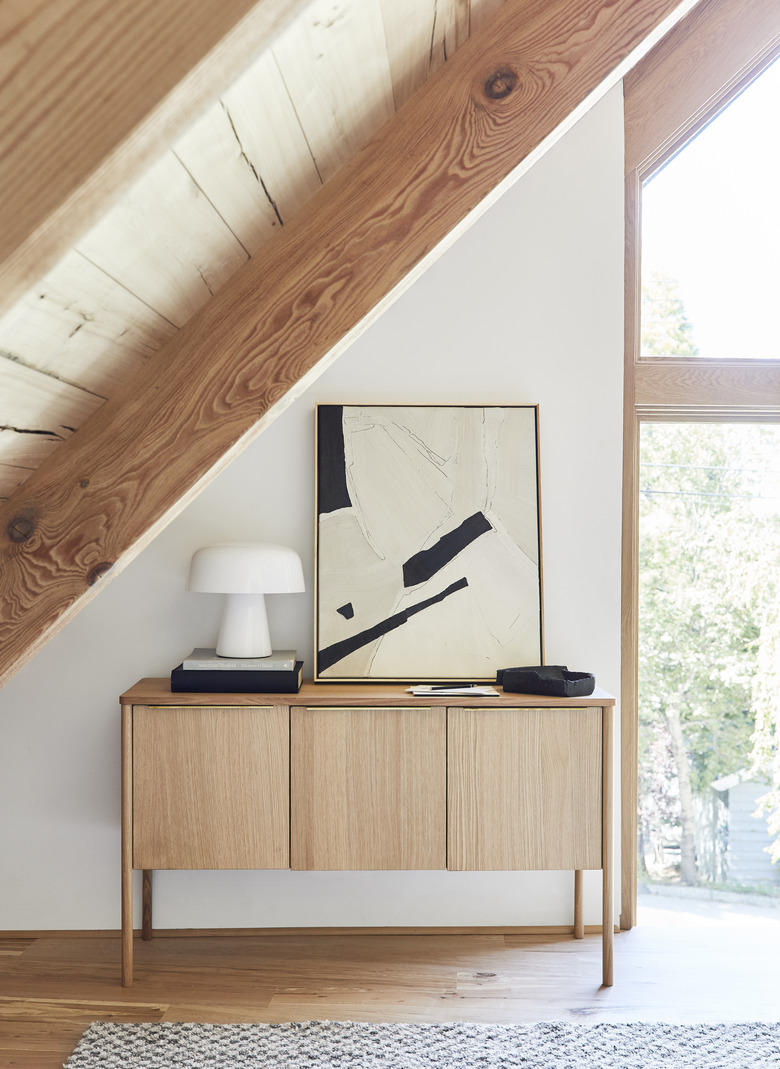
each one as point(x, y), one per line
point(206, 660)
point(475, 690)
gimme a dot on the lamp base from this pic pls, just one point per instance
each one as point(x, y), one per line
point(244, 628)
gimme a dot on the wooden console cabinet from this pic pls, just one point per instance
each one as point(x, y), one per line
point(354, 776)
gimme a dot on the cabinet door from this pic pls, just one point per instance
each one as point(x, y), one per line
point(368, 788)
point(210, 787)
point(524, 788)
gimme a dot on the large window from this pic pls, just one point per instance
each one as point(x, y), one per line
point(709, 655)
point(703, 180)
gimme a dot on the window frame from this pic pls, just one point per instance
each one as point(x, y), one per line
point(682, 84)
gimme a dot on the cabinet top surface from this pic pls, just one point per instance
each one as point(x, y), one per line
point(359, 695)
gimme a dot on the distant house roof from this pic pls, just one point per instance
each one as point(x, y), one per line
point(743, 775)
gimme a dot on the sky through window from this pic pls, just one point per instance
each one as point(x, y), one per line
point(711, 228)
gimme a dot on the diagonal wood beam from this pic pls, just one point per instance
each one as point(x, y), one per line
point(91, 91)
point(481, 121)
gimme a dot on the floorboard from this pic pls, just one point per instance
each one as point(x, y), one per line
point(683, 962)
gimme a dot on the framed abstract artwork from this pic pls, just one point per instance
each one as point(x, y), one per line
point(428, 543)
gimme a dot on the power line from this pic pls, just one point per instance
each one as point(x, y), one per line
point(708, 467)
point(702, 493)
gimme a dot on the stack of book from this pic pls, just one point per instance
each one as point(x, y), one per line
point(205, 672)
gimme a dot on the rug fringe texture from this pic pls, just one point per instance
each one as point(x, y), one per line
point(347, 1045)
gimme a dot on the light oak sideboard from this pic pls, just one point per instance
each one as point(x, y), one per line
point(364, 776)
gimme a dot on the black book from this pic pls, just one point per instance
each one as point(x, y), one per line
point(184, 681)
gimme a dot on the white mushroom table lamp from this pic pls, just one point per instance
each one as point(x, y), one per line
point(245, 572)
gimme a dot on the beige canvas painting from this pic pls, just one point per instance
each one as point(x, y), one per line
point(428, 545)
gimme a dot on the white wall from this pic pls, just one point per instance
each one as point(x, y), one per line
point(526, 307)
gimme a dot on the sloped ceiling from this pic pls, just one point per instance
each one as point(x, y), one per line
point(170, 291)
point(107, 297)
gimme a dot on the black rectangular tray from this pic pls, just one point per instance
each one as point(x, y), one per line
point(550, 679)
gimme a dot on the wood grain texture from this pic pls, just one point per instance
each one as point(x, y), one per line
point(92, 91)
point(709, 56)
point(126, 919)
point(79, 324)
point(579, 922)
point(481, 11)
point(524, 789)
point(19, 447)
point(147, 882)
point(38, 411)
point(709, 383)
point(629, 578)
point(368, 788)
point(250, 157)
point(35, 401)
point(11, 475)
point(332, 47)
point(607, 858)
point(420, 38)
point(341, 930)
point(284, 316)
point(164, 242)
point(215, 157)
point(350, 695)
point(210, 788)
point(59, 984)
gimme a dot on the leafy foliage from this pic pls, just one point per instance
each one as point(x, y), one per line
point(709, 562)
point(765, 580)
point(699, 634)
point(666, 330)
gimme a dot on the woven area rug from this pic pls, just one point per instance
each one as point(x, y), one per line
point(333, 1045)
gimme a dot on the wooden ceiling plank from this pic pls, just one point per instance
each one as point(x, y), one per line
point(214, 156)
point(165, 242)
point(333, 59)
point(11, 478)
point(420, 35)
point(450, 30)
point(91, 92)
point(250, 157)
point(408, 28)
point(81, 325)
point(265, 119)
point(482, 120)
point(21, 454)
point(34, 401)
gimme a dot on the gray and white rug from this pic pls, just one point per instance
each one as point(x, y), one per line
point(341, 1045)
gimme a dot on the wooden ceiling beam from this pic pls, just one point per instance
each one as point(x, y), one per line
point(482, 120)
point(674, 91)
point(91, 92)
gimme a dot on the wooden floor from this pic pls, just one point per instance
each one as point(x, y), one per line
point(682, 963)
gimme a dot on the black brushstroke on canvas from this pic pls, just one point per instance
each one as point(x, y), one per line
point(346, 610)
point(332, 491)
point(333, 653)
point(420, 567)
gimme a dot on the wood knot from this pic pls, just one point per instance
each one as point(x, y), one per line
point(501, 83)
point(98, 571)
point(84, 483)
point(20, 528)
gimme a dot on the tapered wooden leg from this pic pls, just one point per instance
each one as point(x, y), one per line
point(146, 905)
point(127, 846)
point(579, 926)
point(607, 861)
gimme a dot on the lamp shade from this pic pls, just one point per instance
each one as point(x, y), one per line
point(246, 568)
point(244, 572)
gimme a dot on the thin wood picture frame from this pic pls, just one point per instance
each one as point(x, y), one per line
point(428, 562)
